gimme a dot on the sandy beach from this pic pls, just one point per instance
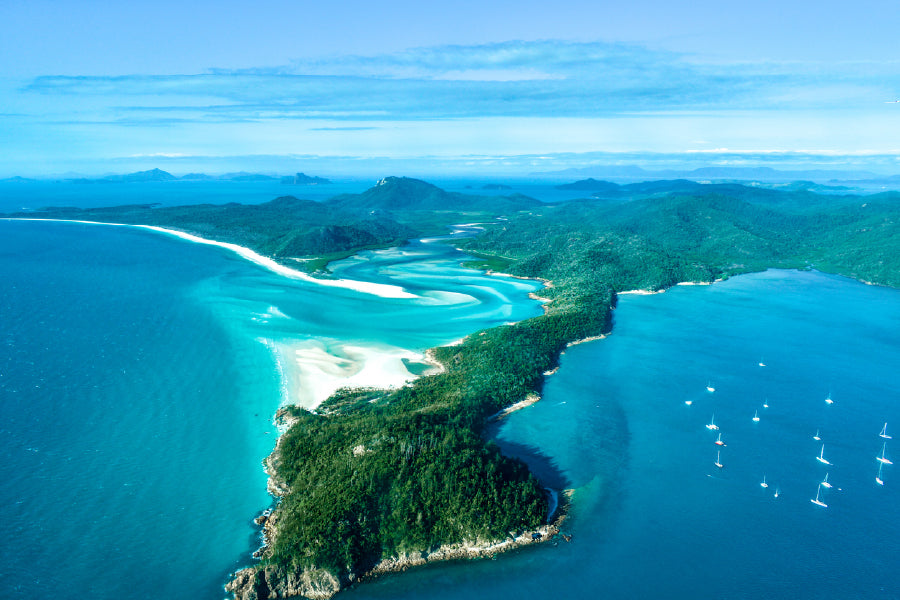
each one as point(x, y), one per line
point(315, 369)
point(376, 289)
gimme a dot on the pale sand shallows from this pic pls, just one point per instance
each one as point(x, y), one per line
point(317, 370)
point(376, 289)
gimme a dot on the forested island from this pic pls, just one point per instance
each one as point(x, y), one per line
point(374, 478)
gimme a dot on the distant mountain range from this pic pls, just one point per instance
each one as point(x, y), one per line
point(304, 179)
point(156, 175)
point(768, 174)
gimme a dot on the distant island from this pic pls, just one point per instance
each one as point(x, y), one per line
point(433, 486)
point(303, 179)
point(717, 173)
point(159, 175)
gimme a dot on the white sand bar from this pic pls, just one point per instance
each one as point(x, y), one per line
point(376, 289)
point(318, 370)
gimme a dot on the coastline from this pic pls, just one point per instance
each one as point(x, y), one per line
point(382, 290)
point(378, 375)
point(267, 580)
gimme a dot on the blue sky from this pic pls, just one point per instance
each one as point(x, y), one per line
point(98, 86)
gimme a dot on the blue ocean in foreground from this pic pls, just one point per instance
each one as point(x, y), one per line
point(139, 374)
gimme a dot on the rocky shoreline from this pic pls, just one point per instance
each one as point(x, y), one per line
point(266, 581)
point(275, 581)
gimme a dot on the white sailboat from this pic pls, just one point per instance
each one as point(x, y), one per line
point(777, 491)
point(881, 458)
point(756, 417)
point(821, 456)
point(719, 441)
point(709, 387)
point(825, 481)
point(828, 399)
point(718, 462)
point(762, 364)
point(766, 403)
point(816, 437)
point(817, 501)
point(884, 432)
point(712, 424)
point(688, 402)
point(764, 484)
point(878, 479)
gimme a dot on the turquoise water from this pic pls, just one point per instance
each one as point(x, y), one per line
point(138, 380)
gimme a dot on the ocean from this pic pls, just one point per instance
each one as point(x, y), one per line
point(139, 375)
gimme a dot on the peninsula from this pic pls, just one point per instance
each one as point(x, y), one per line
point(376, 480)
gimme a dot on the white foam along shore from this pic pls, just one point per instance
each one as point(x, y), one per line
point(382, 290)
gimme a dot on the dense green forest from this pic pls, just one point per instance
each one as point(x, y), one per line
point(375, 473)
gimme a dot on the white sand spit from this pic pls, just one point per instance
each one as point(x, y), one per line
point(376, 289)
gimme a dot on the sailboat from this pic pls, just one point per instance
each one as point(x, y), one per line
point(719, 441)
point(821, 456)
point(756, 417)
point(709, 387)
point(816, 437)
point(828, 399)
point(777, 491)
point(884, 432)
point(881, 458)
point(718, 462)
point(712, 424)
point(817, 501)
point(764, 484)
point(878, 479)
point(825, 481)
point(766, 403)
point(688, 402)
point(762, 364)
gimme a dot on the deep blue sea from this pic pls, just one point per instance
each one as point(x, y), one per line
point(139, 374)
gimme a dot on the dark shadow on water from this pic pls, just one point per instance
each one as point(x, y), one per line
point(542, 466)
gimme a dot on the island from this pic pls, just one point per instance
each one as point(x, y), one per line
point(375, 481)
point(304, 179)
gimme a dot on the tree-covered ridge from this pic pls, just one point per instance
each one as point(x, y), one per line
point(400, 194)
point(658, 241)
point(290, 228)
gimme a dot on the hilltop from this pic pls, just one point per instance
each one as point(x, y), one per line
point(404, 193)
point(307, 234)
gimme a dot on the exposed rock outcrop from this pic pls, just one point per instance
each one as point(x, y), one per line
point(274, 581)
